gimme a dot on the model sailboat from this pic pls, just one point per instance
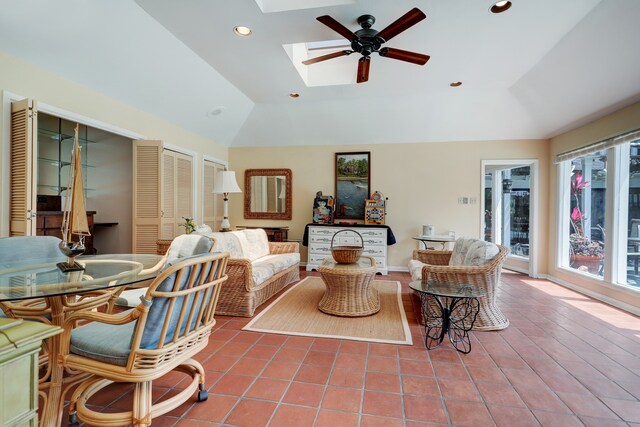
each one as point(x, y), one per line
point(75, 215)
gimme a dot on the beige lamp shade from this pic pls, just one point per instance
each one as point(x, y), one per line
point(226, 183)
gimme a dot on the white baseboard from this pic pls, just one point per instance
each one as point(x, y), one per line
point(596, 295)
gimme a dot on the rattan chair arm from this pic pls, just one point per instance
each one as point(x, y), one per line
point(276, 248)
point(112, 319)
point(240, 272)
point(432, 257)
point(489, 266)
point(156, 267)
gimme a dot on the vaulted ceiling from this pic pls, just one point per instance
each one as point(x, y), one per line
point(542, 67)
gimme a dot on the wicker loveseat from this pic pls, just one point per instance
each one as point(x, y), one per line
point(257, 269)
point(472, 262)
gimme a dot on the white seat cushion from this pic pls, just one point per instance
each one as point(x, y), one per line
point(480, 252)
point(187, 245)
point(265, 267)
point(460, 250)
point(255, 243)
point(415, 269)
point(228, 242)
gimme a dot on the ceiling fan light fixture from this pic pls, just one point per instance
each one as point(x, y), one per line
point(455, 84)
point(294, 95)
point(243, 31)
point(501, 6)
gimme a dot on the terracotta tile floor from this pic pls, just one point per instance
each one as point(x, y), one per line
point(565, 360)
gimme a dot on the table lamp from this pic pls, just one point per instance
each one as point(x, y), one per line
point(225, 184)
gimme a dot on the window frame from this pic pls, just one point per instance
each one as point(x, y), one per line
point(616, 218)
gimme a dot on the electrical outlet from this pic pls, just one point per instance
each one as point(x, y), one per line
point(473, 200)
point(465, 200)
point(460, 200)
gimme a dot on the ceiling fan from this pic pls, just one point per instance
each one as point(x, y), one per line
point(367, 41)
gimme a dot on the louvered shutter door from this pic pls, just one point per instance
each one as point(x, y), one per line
point(147, 195)
point(168, 195)
point(184, 189)
point(22, 163)
point(213, 207)
point(208, 198)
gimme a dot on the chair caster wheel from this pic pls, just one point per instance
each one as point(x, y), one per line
point(73, 421)
point(202, 394)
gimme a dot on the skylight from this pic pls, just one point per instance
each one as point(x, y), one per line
point(268, 6)
point(337, 71)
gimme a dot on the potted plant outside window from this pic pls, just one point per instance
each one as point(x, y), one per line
point(585, 254)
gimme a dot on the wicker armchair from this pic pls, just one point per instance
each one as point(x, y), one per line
point(486, 277)
point(170, 326)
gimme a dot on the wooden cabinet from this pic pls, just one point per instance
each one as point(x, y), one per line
point(374, 240)
point(162, 194)
point(49, 223)
point(19, 346)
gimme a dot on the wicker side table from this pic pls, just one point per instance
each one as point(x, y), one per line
point(349, 292)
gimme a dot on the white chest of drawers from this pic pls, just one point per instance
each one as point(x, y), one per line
point(374, 240)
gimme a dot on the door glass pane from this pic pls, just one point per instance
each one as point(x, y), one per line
point(633, 226)
point(488, 207)
point(519, 211)
point(587, 213)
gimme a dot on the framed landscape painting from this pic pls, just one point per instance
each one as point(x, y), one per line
point(352, 184)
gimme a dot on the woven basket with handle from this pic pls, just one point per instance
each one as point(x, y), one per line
point(346, 254)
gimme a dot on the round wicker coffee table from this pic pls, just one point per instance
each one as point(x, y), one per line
point(349, 292)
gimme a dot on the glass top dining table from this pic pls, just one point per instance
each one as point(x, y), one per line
point(21, 280)
point(39, 290)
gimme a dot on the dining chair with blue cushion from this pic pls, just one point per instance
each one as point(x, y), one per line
point(185, 245)
point(25, 250)
point(164, 332)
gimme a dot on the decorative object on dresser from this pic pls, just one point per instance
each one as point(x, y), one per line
point(352, 184)
point(267, 194)
point(375, 238)
point(226, 184)
point(274, 234)
point(323, 209)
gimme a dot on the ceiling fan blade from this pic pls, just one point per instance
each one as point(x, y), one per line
point(337, 27)
point(328, 56)
point(363, 69)
point(404, 55)
point(407, 20)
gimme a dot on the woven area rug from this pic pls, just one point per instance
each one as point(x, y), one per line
point(296, 313)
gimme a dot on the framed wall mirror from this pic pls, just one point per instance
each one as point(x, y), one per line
point(267, 194)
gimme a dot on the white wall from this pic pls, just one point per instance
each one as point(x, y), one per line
point(422, 181)
point(111, 195)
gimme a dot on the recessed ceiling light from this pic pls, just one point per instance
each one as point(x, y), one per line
point(241, 30)
point(455, 84)
point(216, 111)
point(500, 6)
point(294, 95)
